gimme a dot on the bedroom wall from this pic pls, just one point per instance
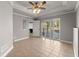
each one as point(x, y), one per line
point(18, 31)
point(6, 28)
point(67, 23)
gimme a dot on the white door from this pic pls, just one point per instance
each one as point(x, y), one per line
point(36, 28)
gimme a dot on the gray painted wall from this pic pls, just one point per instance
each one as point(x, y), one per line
point(6, 27)
point(68, 22)
point(18, 31)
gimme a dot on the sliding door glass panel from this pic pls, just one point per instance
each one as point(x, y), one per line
point(48, 34)
point(56, 28)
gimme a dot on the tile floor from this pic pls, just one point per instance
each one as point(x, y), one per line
point(37, 47)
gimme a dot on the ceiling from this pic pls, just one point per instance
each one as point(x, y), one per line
point(52, 8)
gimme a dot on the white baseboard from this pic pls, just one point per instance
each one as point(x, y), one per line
point(66, 41)
point(21, 39)
point(75, 53)
point(5, 54)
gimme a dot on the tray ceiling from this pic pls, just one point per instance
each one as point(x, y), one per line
point(52, 7)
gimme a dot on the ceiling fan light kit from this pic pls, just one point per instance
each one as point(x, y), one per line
point(36, 11)
point(37, 6)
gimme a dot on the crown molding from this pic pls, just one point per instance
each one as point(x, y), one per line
point(21, 15)
point(22, 8)
point(77, 5)
point(56, 14)
point(11, 3)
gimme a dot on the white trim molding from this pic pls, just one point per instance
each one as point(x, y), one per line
point(77, 5)
point(5, 54)
point(54, 15)
point(75, 41)
point(66, 41)
point(21, 39)
point(15, 13)
point(11, 3)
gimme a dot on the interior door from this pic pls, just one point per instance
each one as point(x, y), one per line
point(36, 28)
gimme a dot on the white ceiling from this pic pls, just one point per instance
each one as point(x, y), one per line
point(52, 7)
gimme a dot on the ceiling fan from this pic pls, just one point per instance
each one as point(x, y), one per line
point(37, 6)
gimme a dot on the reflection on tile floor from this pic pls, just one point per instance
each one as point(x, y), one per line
point(37, 47)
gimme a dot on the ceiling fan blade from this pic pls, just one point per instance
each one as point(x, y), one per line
point(31, 3)
point(42, 8)
point(44, 2)
point(36, 3)
point(39, 5)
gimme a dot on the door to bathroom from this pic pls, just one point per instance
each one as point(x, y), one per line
point(50, 29)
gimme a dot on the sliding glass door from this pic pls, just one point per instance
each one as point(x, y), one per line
point(55, 29)
point(51, 29)
point(46, 29)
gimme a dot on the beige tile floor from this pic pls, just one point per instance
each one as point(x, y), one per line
point(37, 47)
